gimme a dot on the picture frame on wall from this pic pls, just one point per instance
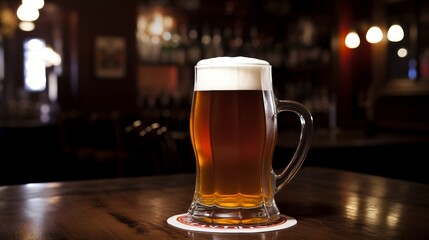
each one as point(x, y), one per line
point(110, 57)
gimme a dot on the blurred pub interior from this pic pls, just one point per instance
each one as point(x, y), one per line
point(103, 89)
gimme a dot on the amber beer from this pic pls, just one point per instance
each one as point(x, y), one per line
point(234, 138)
point(233, 129)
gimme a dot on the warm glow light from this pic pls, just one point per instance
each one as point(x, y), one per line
point(155, 40)
point(52, 91)
point(374, 35)
point(141, 23)
point(352, 40)
point(50, 57)
point(166, 36)
point(402, 52)
point(26, 26)
point(168, 22)
point(395, 33)
point(27, 13)
point(156, 27)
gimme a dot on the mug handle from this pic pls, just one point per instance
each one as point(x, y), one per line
point(304, 143)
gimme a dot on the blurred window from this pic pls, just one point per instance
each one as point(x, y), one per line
point(34, 65)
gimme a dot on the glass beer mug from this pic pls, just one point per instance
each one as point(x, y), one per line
point(233, 126)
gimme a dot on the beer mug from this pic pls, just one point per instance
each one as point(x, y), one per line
point(233, 127)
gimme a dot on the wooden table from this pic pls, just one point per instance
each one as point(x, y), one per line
point(328, 204)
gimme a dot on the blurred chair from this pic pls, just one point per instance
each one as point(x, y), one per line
point(152, 149)
point(74, 138)
point(92, 144)
point(76, 148)
point(107, 144)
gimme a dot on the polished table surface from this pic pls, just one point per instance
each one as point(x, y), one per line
point(327, 203)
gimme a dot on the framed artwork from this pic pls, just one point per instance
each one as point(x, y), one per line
point(110, 57)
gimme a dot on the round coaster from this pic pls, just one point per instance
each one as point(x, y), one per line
point(184, 221)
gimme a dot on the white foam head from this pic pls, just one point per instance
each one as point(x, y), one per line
point(232, 73)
